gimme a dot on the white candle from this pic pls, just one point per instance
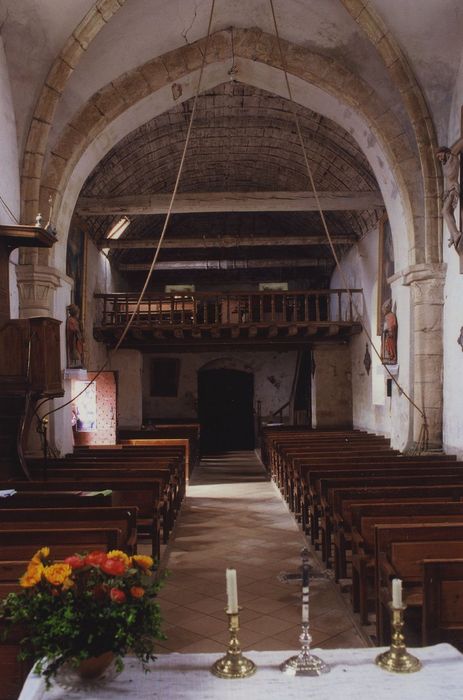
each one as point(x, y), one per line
point(396, 593)
point(232, 591)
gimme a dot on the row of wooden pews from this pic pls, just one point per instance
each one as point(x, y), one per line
point(375, 514)
point(96, 498)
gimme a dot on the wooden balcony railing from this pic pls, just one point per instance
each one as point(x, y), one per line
point(230, 309)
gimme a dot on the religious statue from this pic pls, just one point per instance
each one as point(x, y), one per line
point(450, 161)
point(74, 338)
point(389, 335)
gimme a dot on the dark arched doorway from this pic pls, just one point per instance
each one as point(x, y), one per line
point(225, 407)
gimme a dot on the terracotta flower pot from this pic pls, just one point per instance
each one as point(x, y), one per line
point(95, 666)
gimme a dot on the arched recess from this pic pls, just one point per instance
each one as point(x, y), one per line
point(315, 84)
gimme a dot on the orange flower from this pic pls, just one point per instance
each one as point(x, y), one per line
point(32, 576)
point(113, 567)
point(137, 592)
point(95, 558)
point(56, 574)
point(41, 553)
point(117, 596)
point(143, 561)
point(75, 561)
point(117, 554)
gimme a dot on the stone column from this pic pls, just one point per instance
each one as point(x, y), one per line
point(332, 387)
point(427, 296)
point(36, 285)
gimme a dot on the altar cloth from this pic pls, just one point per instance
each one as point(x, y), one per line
point(353, 676)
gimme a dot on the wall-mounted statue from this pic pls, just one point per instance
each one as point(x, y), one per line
point(389, 335)
point(74, 338)
point(450, 161)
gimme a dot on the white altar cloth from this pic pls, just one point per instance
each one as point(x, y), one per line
point(353, 676)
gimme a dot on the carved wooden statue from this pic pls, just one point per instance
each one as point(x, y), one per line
point(389, 337)
point(450, 161)
point(74, 338)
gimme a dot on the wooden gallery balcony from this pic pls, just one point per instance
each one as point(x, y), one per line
point(200, 319)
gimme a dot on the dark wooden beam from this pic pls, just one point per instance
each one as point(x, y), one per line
point(194, 202)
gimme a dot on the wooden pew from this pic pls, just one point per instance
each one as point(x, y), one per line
point(146, 494)
point(20, 545)
point(305, 487)
point(399, 553)
point(364, 518)
point(123, 519)
point(169, 429)
point(65, 499)
point(326, 486)
point(442, 619)
point(168, 488)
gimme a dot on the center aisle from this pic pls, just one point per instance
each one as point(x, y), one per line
point(233, 517)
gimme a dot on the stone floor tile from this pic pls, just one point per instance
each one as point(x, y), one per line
point(233, 517)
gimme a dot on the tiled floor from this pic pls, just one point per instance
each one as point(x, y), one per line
point(234, 517)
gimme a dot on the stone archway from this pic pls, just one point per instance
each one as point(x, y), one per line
point(317, 82)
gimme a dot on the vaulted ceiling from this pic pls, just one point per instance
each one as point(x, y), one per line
point(243, 140)
point(77, 67)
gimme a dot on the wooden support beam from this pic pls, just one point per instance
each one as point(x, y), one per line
point(325, 263)
point(226, 241)
point(194, 202)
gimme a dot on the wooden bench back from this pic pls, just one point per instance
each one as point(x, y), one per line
point(443, 601)
point(405, 546)
point(22, 544)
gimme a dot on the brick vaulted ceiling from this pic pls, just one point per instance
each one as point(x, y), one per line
point(243, 140)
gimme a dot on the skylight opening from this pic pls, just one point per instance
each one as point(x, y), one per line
point(118, 229)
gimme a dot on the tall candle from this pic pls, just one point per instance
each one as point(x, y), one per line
point(232, 591)
point(396, 593)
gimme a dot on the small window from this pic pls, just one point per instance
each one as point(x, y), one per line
point(164, 376)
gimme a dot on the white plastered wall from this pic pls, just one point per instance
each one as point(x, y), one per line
point(273, 377)
point(453, 312)
point(9, 169)
point(372, 410)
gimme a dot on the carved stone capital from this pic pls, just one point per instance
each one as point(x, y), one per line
point(36, 284)
point(424, 272)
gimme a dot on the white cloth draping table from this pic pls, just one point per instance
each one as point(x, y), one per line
point(353, 676)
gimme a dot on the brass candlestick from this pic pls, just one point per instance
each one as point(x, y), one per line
point(233, 664)
point(398, 659)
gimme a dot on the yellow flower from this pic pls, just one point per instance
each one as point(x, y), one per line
point(117, 554)
point(56, 574)
point(42, 553)
point(67, 584)
point(32, 576)
point(143, 561)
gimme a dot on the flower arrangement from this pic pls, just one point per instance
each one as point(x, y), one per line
point(85, 606)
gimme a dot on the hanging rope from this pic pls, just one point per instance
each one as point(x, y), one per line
point(14, 218)
point(422, 443)
point(163, 232)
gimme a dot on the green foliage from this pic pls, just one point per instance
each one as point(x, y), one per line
point(85, 606)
